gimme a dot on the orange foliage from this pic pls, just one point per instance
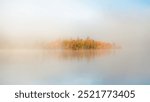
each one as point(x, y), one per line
point(88, 43)
point(77, 44)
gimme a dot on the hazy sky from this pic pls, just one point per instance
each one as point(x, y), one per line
point(110, 20)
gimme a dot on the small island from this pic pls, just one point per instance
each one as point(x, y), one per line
point(88, 43)
point(81, 44)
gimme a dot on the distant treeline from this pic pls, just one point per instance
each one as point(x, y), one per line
point(88, 43)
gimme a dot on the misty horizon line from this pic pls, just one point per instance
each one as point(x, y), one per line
point(39, 43)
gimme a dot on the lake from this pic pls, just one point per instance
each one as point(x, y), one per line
point(67, 67)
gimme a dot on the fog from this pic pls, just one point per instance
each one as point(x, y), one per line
point(125, 22)
point(26, 23)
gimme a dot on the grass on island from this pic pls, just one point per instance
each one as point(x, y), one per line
point(88, 43)
point(80, 44)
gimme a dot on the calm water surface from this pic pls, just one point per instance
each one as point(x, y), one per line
point(119, 66)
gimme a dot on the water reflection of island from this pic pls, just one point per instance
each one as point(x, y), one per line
point(80, 48)
point(38, 56)
point(79, 54)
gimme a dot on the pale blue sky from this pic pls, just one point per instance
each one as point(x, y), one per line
point(111, 20)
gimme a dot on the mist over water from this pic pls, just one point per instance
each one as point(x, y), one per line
point(28, 24)
point(117, 66)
